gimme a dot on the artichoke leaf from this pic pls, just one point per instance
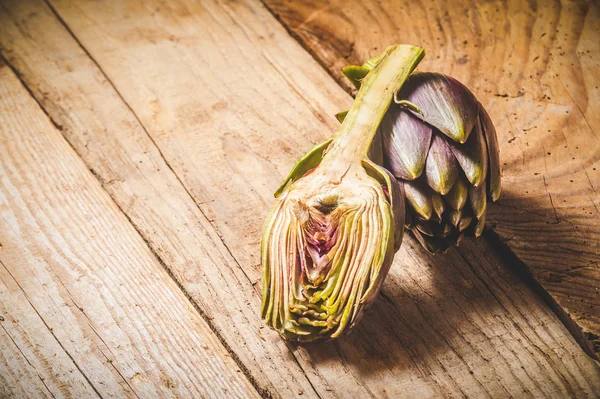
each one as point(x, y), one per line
point(441, 167)
point(444, 102)
point(480, 226)
point(489, 131)
point(340, 116)
point(457, 196)
point(478, 200)
point(406, 142)
point(370, 64)
point(309, 161)
point(419, 197)
point(395, 191)
point(472, 156)
point(355, 74)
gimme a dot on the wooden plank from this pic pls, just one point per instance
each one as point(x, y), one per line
point(536, 67)
point(206, 84)
point(86, 308)
point(109, 137)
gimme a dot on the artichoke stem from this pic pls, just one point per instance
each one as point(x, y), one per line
point(353, 139)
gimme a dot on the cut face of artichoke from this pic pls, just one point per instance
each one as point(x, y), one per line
point(329, 241)
point(326, 250)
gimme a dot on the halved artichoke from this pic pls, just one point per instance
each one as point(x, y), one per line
point(329, 241)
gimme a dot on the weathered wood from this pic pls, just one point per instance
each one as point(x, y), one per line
point(231, 101)
point(85, 307)
point(117, 149)
point(536, 67)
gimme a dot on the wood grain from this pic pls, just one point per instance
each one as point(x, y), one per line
point(118, 150)
point(536, 67)
point(217, 102)
point(86, 309)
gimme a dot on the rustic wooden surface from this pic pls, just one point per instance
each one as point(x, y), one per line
point(536, 67)
point(189, 115)
point(87, 310)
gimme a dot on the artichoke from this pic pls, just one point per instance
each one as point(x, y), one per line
point(329, 240)
point(440, 141)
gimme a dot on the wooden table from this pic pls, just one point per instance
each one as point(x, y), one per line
point(141, 142)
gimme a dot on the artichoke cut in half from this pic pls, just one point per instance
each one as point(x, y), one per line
point(329, 240)
point(440, 141)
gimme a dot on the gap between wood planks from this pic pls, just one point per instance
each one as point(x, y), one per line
point(504, 252)
point(521, 269)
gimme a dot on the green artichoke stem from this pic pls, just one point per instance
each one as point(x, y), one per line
point(353, 139)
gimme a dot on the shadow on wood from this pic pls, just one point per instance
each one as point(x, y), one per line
point(446, 313)
point(526, 237)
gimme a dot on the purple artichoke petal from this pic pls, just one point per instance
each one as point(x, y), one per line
point(479, 227)
point(478, 199)
point(489, 132)
point(406, 142)
point(457, 196)
point(445, 103)
point(438, 205)
point(419, 198)
point(448, 229)
point(454, 216)
point(472, 156)
point(424, 228)
point(396, 191)
point(464, 223)
point(408, 219)
point(441, 167)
